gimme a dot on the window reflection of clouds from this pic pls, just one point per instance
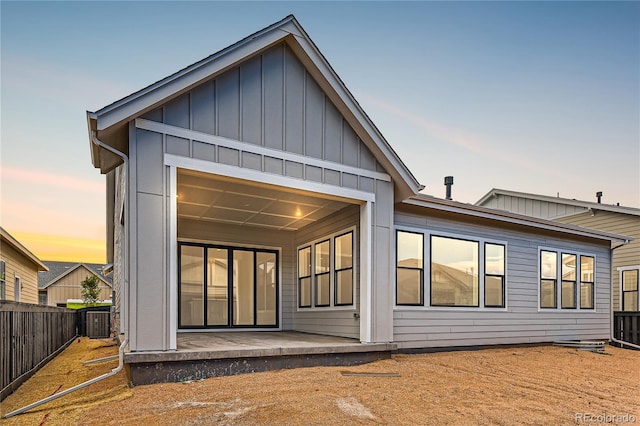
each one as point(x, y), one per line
point(410, 249)
point(548, 265)
point(458, 254)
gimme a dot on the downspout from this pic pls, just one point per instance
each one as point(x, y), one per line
point(125, 159)
point(611, 338)
point(76, 387)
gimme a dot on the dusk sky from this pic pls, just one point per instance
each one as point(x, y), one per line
point(540, 97)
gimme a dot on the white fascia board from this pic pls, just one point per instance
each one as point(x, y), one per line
point(271, 179)
point(504, 216)
point(181, 132)
point(335, 83)
point(184, 80)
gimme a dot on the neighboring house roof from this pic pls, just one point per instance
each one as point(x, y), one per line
point(110, 122)
point(587, 205)
point(58, 270)
point(9, 239)
point(428, 201)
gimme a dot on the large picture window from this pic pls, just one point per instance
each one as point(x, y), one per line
point(326, 272)
point(454, 272)
point(409, 268)
point(568, 278)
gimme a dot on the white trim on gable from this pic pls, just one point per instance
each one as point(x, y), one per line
point(180, 132)
point(321, 189)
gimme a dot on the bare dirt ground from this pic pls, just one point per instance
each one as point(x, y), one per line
point(535, 385)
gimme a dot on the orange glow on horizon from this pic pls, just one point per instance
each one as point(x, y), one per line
point(64, 249)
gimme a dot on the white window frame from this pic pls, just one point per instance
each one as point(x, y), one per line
point(17, 288)
point(332, 306)
point(559, 252)
point(427, 233)
point(620, 270)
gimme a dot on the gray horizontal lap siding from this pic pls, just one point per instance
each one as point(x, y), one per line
point(269, 101)
point(521, 322)
point(325, 320)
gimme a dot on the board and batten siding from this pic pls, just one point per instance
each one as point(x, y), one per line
point(335, 322)
point(269, 101)
point(526, 206)
point(70, 287)
point(521, 321)
point(19, 266)
point(617, 223)
point(236, 235)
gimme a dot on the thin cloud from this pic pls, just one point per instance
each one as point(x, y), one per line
point(20, 176)
point(458, 137)
point(58, 83)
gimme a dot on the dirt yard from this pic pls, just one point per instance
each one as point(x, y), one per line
point(535, 385)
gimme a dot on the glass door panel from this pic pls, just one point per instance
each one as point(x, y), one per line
point(266, 288)
point(243, 287)
point(191, 286)
point(217, 287)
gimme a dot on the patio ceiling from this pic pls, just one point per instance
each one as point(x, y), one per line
point(208, 197)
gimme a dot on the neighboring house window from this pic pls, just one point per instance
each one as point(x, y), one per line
point(587, 280)
point(409, 268)
point(326, 271)
point(630, 290)
point(494, 275)
point(454, 272)
point(322, 274)
point(304, 277)
point(42, 298)
point(2, 281)
point(548, 276)
point(464, 272)
point(568, 288)
point(574, 273)
point(344, 269)
point(16, 289)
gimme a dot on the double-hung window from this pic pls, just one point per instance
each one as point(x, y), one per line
point(343, 245)
point(326, 271)
point(587, 281)
point(494, 273)
point(322, 274)
point(567, 280)
point(548, 277)
point(304, 277)
point(629, 289)
point(409, 268)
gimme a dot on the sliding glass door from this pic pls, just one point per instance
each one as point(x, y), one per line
point(235, 287)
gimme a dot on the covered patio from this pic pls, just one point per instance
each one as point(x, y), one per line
point(202, 355)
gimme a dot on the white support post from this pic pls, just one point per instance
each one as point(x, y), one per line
point(366, 291)
point(173, 258)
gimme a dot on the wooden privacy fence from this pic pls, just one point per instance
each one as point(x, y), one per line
point(30, 335)
point(626, 326)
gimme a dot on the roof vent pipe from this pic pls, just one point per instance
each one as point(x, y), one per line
point(599, 196)
point(448, 182)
